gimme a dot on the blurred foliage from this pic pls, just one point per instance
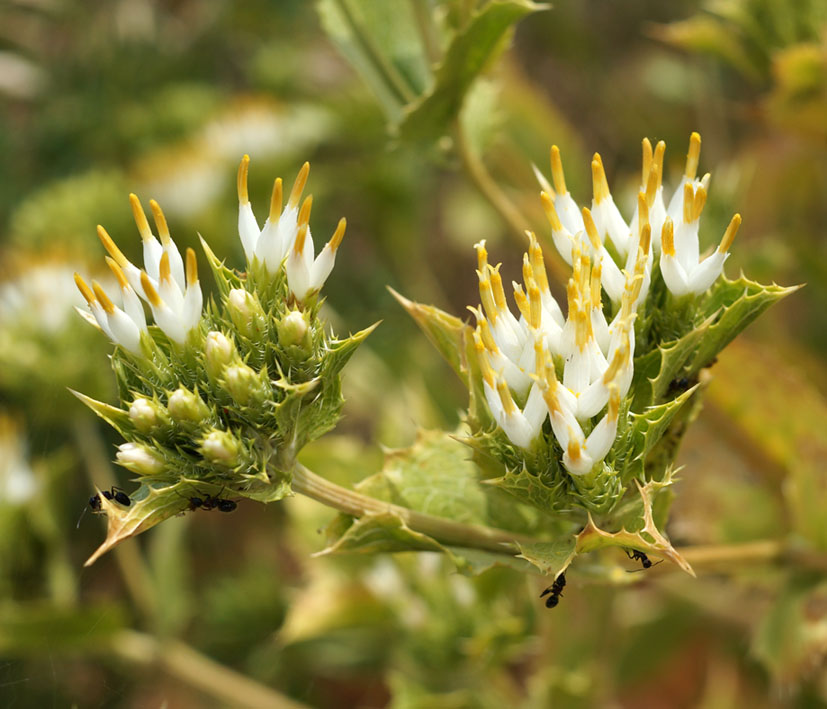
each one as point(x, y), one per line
point(162, 98)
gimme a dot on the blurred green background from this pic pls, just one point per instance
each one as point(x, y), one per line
point(163, 98)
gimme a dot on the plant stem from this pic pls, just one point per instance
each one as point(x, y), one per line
point(444, 530)
point(199, 671)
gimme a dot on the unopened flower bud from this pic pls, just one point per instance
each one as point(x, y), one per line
point(246, 313)
point(293, 331)
point(219, 351)
point(147, 415)
point(221, 448)
point(243, 384)
point(139, 459)
point(186, 407)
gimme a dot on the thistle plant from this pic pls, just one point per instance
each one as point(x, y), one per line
point(217, 398)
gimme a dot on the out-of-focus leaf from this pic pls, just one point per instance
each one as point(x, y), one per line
point(551, 558)
point(469, 52)
point(381, 533)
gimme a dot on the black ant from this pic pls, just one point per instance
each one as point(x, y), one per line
point(211, 502)
point(113, 494)
point(556, 590)
point(644, 560)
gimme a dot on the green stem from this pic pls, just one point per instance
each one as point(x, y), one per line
point(444, 530)
point(198, 671)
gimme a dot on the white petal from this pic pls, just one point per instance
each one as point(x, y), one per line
point(193, 302)
point(124, 331)
point(152, 256)
point(133, 308)
point(569, 213)
point(673, 275)
point(248, 230)
point(610, 223)
point(707, 272)
point(601, 438)
point(322, 267)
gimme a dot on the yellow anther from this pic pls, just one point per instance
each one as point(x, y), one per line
point(482, 358)
point(729, 235)
point(149, 291)
point(540, 355)
point(298, 186)
point(160, 222)
point(647, 161)
point(485, 332)
point(118, 271)
point(574, 450)
point(111, 248)
point(497, 287)
point(304, 212)
point(688, 202)
point(482, 256)
point(550, 390)
point(487, 297)
point(645, 242)
point(620, 358)
point(642, 210)
point(601, 185)
point(700, 201)
point(614, 402)
point(557, 176)
point(585, 270)
point(535, 305)
point(596, 293)
point(522, 302)
point(528, 274)
point(667, 237)
point(140, 217)
point(538, 264)
point(192, 268)
point(505, 397)
point(85, 291)
point(164, 272)
point(241, 180)
point(582, 327)
point(103, 299)
point(693, 156)
point(276, 199)
point(652, 185)
point(551, 212)
point(657, 161)
point(339, 234)
point(301, 237)
point(591, 229)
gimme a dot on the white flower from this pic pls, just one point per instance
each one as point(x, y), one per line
point(139, 459)
point(174, 297)
point(286, 235)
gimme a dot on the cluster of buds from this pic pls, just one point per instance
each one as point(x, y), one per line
point(576, 371)
point(227, 393)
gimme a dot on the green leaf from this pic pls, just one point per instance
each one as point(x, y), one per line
point(381, 533)
point(551, 558)
point(469, 52)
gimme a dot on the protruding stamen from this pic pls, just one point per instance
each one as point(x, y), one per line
point(497, 287)
point(645, 241)
point(657, 161)
point(192, 268)
point(118, 271)
point(550, 388)
point(596, 293)
point(85, 291)
point(582, 328)
point(111, 248)
point(103, 299)
point(485, 333)
point(149, 291)
point(522, 302)
point(487, 297)
point(164, 272)
point(642, 210)
point(601, 185)
point(528, 274)
point(538, 264)
point(298, 186)
point(652, 185)
point(505, 397)
point(647, 161)
point(620, 358)
point(693, 156)
point(482, 358)
point(729, 235)
point(276, 201)
point(304, 212)
point(301, 237)
point(574, 450)
point(688, 202)
point(667, 237)
point(338, 235)
point(535, 304)
point(241, 180)
point(557, 176)
point(160, 222)
point(540, 355)
point(698, 205)
point(482, 256)
point(591, 229)
point(140, 217)
point(614, 403)
point(551, 212)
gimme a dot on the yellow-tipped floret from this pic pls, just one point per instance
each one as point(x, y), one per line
point(241, 180)
point(339, 234)
point(551, 213)
point(298, 186)
point(160, 222)
point(600, 184)
point(111, 248)
point(118, 271)
point(149, 291)
point(276, 200)
point(667, 237)
point(85, 290)
point(304, 212)
point(557, 176)
point(192, 268)
point(729, 234)
point(693, 156)
point(140, 217)
point(103, 299)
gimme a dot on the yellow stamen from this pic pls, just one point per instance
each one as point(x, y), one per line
point(729, 235)
point(647, 161)
point(591, 229)
point(538, 264)
point(550, 390)
point(614, 402)
point(557, 176)
point(485, 333)
point(645, 241)
point(150, 292)
point(700, 201)
point(103, 299)
point(601, 185)
point(688, 202)
point(693, 156)
point(111, 248)
point(338, 235)
point(551, 212)
point(276, 201)
point(657, 161)
point(596, 293)
point(140, 217)
point(298, 186)
point(652, 185)
point(642, 210)
point(192, 268)
point(522, 302)
point(160, 222)
point(118, 271)
point(667, 237)
point(487, 297)
point(572, 297)
point(535, 303)
point(304, 212)
point(581, 329)
point(301, 237)
point(505, 397)
point(574, 450)
point(482, 358)
point(620, 358)
point(85, 291)
point(585, 270)
point(164, 272)
point(241, 180)
point(497, 287)
point(482, 256)
point(540, 355)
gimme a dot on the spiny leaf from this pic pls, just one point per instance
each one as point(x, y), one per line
point(115, 417)
point(551, 558)
point(385, 532)
point(469, 52)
